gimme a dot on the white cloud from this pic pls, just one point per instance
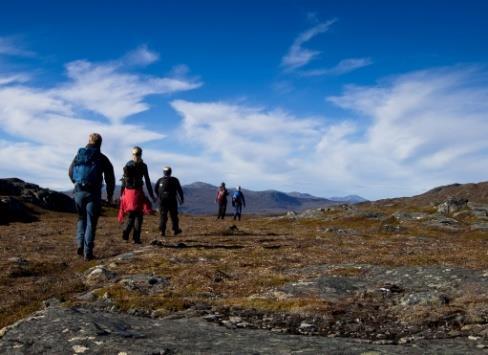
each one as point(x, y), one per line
point(405, 135)
point(140, 56)
point(48, 132)
point(7, 79)
point(104, 89)
point(251, 144)
point(343, 67)
point(424, 129)
point(46, 126)
point(297, 55)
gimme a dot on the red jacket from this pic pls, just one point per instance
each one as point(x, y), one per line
point(133, 200)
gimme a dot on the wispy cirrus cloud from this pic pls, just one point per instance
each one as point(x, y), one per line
point(299, 56)
point(343, 67)
point(11, 46)
point(16, 78)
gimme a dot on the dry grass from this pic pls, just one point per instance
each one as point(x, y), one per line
point(271, 250)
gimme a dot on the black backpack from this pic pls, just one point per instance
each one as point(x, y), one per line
point(164, 188)
point(133, 175)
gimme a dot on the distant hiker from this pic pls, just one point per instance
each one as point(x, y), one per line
point(221, 199)
point(238, 201)
point(169, 190)
point(87, 171)
point(133, 202)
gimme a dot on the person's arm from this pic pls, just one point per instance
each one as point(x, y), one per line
point(148, 183)
point(123, 181)
point(109, 177)
point(70, 170)
point(156, 187)
point(180, 191)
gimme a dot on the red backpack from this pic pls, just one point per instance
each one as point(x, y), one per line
point(221, 194)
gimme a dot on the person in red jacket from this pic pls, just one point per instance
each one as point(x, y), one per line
point(133, 201)
point(221, 199)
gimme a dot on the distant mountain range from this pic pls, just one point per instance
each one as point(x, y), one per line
point(200, 199)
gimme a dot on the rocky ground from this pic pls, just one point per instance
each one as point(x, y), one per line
point(369, 279)
point(58, 330)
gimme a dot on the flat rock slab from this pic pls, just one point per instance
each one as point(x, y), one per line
point(57, 330)
point(330, 284)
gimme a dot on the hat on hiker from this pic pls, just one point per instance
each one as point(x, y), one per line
point(167, 171)
point(137, 151)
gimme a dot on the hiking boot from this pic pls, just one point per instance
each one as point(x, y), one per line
point(178, 231)
point(162, 234)
point(80, 251)
point(125, 237)
point(137, 241)
point(89, 257)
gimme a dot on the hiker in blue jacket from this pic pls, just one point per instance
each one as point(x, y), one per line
point(238, 201)
point(87, 171)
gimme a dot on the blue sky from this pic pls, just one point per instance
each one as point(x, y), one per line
point(377, 98)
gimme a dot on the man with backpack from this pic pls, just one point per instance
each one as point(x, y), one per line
point(221, 199)
point(238, 201)
point(168, 189)
point(133, 201)
point(87, 171)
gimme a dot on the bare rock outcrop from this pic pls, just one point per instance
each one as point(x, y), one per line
point(58, 330)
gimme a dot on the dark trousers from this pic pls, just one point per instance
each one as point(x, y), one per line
point(222, 210)
point(88, 208)
point(134, 221)
point(170, 207)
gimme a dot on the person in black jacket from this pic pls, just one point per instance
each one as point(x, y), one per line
point(87, 171)
point(168, 189)
point(134, 172)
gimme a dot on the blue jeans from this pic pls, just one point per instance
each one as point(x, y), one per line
point(237, 211)
point(88, 208)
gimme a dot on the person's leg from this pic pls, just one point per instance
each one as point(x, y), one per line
point(224, 210)
point(163, 218)
point(129, 224)
point(80, 204)
point(174, 219)
point(138, 217)
point(239, 211)
point(93, 212)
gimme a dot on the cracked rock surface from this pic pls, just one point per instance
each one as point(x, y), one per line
point(57, 330)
